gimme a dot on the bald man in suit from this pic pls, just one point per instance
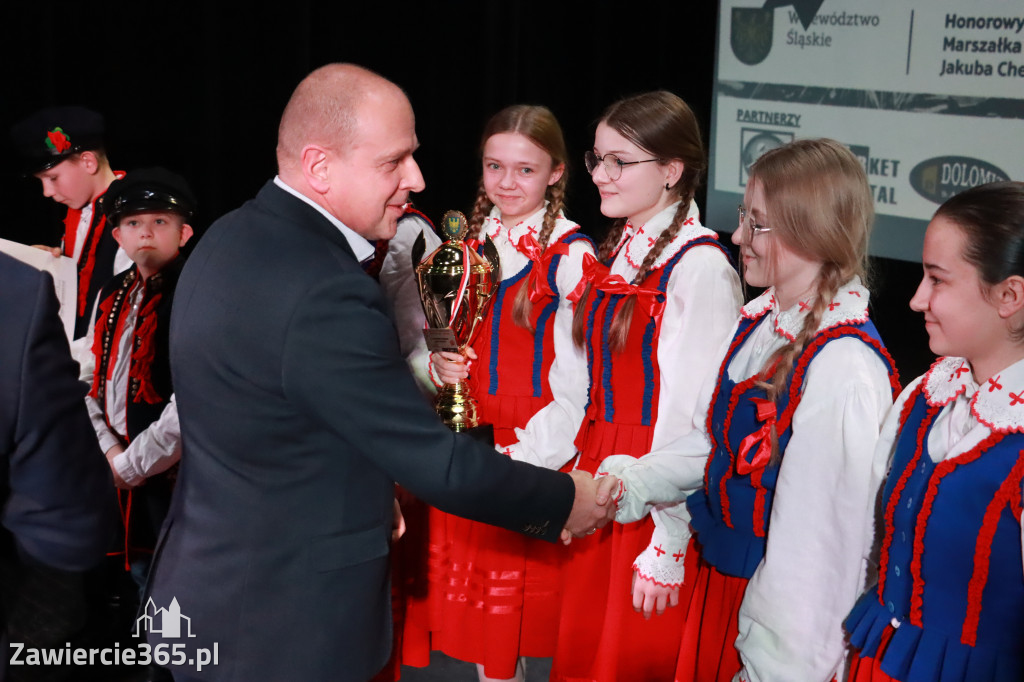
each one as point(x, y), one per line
point(298, 413)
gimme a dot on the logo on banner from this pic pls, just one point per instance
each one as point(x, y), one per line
point(753, 143)
point(940, 178)
point(750, 34)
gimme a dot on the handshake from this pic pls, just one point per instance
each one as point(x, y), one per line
point(594, 506)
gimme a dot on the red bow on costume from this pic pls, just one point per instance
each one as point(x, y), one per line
point(537, 284)
point(761, 439)
point(597, 274)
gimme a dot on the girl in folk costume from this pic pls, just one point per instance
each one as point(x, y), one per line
point(657, 303)
point(498, 591)
point(949, 602)
point(790, 423)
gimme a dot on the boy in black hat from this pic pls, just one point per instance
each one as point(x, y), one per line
point(63, 148)
point(131, 400)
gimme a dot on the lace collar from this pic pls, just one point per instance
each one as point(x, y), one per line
point(849, 306)
point(639, 242)
point(496, 229)
point(998, 403)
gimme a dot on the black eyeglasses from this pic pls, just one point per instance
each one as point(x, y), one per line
point(746, 218)
point(612, 164)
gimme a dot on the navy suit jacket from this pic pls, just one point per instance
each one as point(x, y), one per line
point(57, 492)
point(298, 415)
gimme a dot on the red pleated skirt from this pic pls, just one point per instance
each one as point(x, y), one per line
point(600, 637)
point(473, 591)
point(707, 652)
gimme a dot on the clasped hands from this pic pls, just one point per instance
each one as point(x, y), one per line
point(595, 503)
point(593, 507)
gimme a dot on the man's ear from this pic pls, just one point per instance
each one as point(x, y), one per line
point(116, 234)
point(315, 162)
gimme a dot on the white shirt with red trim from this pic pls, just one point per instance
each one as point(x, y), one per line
point(970, 413)
point(121, 260)
point(702, 297)
point(790, 620)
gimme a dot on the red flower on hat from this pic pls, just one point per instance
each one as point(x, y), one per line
point(57, 140)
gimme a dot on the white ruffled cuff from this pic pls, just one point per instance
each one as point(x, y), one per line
point(663, 562)
point(639, 487)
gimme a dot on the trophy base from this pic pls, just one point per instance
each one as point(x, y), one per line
point(456, 407)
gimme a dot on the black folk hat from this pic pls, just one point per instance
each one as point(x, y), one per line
point(148, 189)
point(51, 135)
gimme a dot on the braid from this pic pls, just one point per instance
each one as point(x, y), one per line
point(522, 307)
point(666, 236)
point(610, 241)
point(619, 332)
point(556, 201)
point(481, 209)
point(830, 278)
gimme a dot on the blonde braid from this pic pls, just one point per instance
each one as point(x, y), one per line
point(481, 209)
point(829, 279)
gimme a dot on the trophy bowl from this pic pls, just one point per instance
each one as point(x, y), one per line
point(456, 286)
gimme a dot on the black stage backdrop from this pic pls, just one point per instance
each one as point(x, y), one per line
point(199, 88)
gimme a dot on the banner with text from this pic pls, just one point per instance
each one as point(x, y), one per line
point(929, 94)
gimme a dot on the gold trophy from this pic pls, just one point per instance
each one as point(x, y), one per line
point(456, 286)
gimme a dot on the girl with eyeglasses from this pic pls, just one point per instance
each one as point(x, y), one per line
point(654, 306)
point(495, 594)
point(782, 506)
point(949, 601)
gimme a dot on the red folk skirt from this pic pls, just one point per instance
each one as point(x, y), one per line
point(473, 591)
point(600, 637)
point(711, 601)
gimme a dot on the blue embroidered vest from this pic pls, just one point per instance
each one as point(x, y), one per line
point(730, 513)
point(951, 572)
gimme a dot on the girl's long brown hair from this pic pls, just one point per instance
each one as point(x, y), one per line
point(540, 126)
point(818, 205)
point(663, 125)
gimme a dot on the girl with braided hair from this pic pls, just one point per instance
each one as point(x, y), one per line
point(656, 304)
point(782, 506)
point(948, 605)
point(495, 592)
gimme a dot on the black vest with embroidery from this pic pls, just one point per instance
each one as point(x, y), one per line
point(149, 388)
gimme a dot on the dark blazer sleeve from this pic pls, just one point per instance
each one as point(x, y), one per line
point(343, 324)
point(60, 495)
